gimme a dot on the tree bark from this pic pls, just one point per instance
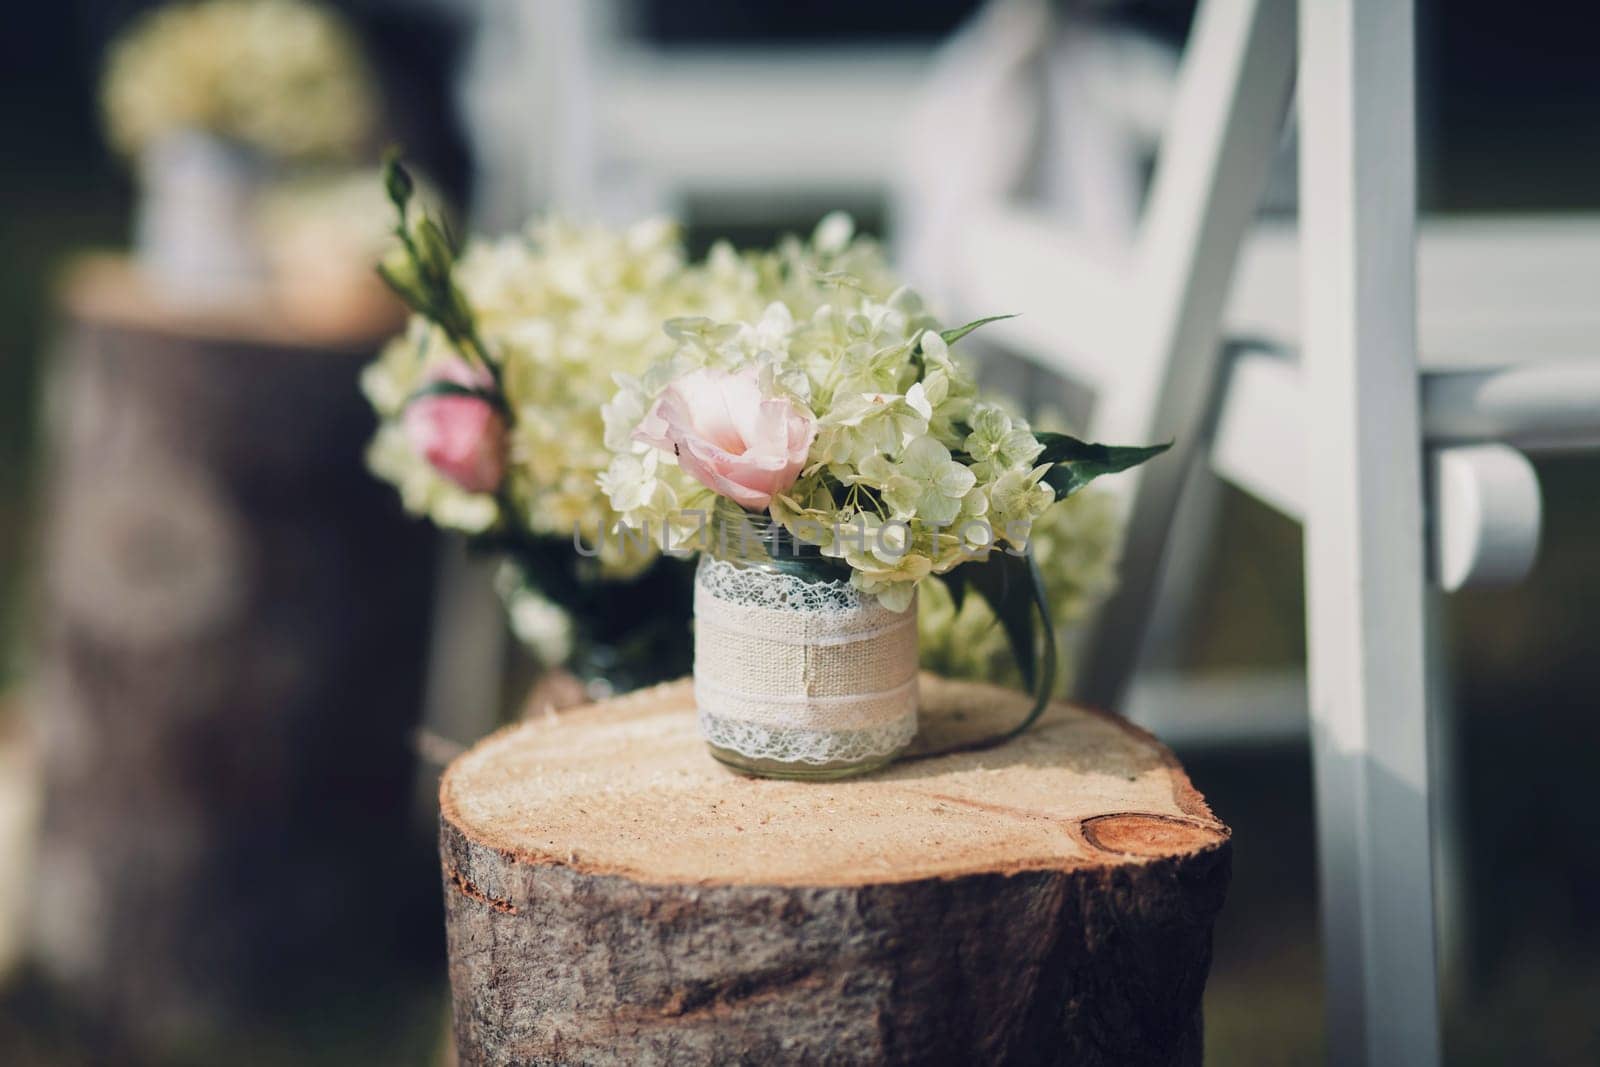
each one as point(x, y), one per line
point(230, 668)
point(615, 896)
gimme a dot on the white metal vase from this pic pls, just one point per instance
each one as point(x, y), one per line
point(796, 674)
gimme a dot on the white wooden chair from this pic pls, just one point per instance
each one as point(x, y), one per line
point(1402, 472)
point(575, 110)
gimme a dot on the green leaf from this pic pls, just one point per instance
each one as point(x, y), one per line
point(1047, 668)
point(1014, 588)
point(434, 249)
point(400, 274)
point(952, 336)
point(448, 388)
point(1077, 463)
point(956, 582)
point(460, 311)
point(1002, 579)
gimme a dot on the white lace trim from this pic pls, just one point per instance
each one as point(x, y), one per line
point(751, 587)
point(798, 671)
point(795, 745)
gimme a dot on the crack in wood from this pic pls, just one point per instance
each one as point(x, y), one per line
point(465, 887)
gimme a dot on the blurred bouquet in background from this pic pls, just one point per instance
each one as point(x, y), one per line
point(562, 308)
point(505, 446)
point(284, 78)
point(244, 119)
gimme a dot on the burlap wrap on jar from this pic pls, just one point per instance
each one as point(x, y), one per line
point(799, 670)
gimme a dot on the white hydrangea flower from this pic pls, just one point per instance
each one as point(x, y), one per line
point(925, 483)
point(862, 426)
point(632, 486)
point(1017, 498)
point(997, 443)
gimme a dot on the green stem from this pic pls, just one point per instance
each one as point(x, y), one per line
point(482, 352)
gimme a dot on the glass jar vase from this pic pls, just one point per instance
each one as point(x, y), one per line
point(796, 674)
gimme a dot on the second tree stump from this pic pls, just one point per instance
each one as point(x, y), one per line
point(615, 896)
point(231, 659)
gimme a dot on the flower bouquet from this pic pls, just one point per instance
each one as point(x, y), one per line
point(596, 406)
point(211, 100)
point(496, 418)
point(825, 462)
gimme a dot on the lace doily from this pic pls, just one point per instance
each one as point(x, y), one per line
point(801, 671)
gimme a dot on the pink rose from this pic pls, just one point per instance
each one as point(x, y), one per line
point(733, 440)
point(461, 437)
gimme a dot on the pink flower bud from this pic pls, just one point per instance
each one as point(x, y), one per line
point(461, 437)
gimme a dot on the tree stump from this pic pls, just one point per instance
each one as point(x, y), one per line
point(615, 896)
point(231, 662)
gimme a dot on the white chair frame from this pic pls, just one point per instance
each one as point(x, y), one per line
point(577, 113)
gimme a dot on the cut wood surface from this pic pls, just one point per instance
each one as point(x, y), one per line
point(109, 289)
point(614, 895)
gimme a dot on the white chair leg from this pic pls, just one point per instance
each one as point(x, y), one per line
point(1364, 532)
point(1452, 901)
point(1184, 572)
point(1232, 90)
